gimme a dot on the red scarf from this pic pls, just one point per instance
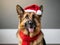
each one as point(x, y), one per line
point(27, 39)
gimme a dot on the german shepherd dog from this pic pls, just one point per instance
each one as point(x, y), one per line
point(29, 21)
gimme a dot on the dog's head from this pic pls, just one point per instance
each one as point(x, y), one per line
point(29, 21)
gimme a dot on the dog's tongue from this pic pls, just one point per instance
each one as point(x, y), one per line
point(31, 29)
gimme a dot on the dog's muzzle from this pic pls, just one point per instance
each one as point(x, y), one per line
point(30, 25)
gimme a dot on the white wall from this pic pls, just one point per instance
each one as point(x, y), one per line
point(8, 36)
point(9, 18)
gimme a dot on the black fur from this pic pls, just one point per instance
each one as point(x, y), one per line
point(44, 42)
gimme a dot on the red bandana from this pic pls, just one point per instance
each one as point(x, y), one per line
point(27, 39)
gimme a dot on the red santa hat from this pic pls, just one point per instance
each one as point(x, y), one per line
point(33, 8)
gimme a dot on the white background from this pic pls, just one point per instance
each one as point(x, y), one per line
point(8, 36)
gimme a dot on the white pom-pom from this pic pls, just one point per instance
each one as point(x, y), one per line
point(39, 12)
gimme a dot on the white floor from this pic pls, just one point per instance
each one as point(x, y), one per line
point(8, 36)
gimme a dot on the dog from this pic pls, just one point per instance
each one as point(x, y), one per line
point(29, 27)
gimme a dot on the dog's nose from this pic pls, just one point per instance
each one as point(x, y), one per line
point(31, 23)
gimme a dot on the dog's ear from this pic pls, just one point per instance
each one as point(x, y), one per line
point(20, 11)
point(41, 8)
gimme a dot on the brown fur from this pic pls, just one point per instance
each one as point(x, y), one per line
point(22, 20)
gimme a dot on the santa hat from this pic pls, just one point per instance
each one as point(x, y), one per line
point(33, 8)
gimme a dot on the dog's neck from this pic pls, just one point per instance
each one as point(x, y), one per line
point(30, 34)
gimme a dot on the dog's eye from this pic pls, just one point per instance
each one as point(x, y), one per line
point(27, 16)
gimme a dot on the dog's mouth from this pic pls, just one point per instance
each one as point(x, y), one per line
point(31, 30)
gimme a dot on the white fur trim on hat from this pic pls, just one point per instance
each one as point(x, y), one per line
point(38, 12)
point(30, 11)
